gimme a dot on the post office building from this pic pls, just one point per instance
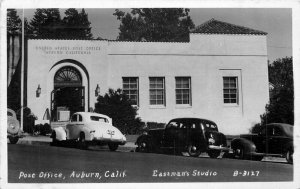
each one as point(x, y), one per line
point(221, 74)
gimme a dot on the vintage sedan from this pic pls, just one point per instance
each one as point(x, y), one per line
point(86, 128)
point(191, 135)
point(14, 131)
point(274, 139)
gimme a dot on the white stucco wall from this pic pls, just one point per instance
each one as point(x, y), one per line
point(206, 59)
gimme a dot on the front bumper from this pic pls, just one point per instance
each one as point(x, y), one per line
point(222, 148)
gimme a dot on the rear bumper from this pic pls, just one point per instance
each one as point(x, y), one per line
point(106, 140)
point(222, 148)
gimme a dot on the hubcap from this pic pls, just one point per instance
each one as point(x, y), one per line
point(194, 148)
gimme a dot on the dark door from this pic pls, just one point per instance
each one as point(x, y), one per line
point(70, 97)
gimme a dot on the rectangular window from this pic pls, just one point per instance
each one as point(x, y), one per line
point(131, 89)
point(230, 90)
point(157, 90)
point(183, 90)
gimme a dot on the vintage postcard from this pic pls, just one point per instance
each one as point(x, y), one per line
point(149, 94)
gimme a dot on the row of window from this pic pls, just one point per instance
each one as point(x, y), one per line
point(182, 90)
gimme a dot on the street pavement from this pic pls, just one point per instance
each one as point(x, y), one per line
point(51, 164)
point(130, 146)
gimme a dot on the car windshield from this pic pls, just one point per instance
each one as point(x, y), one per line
point(209, 126)
point(99, 119)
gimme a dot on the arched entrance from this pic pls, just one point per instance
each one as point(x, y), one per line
point(68, 94)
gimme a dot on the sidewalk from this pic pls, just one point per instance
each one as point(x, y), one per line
point(30, 139)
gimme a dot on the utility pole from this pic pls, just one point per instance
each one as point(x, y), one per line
point(22, 72)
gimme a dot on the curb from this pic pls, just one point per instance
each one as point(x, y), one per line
point(129, 147)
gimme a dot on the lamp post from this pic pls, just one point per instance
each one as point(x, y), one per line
point(97, 91)
point(38, 91)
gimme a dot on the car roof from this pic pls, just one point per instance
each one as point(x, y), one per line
point(85, 114)
point(192, 118)
point(288, 129)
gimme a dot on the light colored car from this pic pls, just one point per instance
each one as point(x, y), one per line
point(88, 128)
point(14, 131)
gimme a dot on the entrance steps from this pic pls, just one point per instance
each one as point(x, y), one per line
point(58, 124)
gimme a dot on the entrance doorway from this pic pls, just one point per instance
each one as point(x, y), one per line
point(68, 94)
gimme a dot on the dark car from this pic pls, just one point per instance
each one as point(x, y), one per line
point(191, 135)
point(274, 139)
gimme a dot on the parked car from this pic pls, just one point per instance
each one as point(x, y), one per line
point(13, 127)
point(191, 135)
point(86, 128)
point(274, 139)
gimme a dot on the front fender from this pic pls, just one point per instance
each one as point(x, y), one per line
point(248, 145)
point(60, 133)
point(142, 138)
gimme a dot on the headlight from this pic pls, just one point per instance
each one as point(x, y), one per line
point(211, 140)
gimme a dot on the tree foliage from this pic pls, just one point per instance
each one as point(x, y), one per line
point(155, 24)
point(281, 106)
point(116, 105)
point(47, 23)
point(13, 22)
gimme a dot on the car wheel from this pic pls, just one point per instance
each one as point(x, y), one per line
point(113, 146)
point(214, 153)
point(81, 142)
point(239, 153)
point(143, 146)
point(289, 156)
point(193, 150)
point(13, 139)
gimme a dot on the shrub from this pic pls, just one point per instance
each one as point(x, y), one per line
point(41, 129)
point(28, 119)
point(155, 125)
point(116, 105)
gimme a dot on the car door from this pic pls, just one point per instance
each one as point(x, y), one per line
point(71, 126)
point(78, 127)
point(275, 141)
point(260, 140)
point(170, 134)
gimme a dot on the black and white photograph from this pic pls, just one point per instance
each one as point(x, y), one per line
point(149, 94)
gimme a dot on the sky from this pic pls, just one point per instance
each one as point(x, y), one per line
point(277, 22)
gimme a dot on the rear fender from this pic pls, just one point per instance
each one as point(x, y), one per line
point(60, 133)
point(87, 133)
point(289, 146)
point(248, 145)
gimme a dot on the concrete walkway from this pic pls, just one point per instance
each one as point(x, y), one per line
point(29, 139)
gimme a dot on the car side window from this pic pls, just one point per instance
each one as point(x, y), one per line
point(80, 118)
point(263, 131)
point(277, 131)
point(270, 131)
point(172, 125)
point(74, 118)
